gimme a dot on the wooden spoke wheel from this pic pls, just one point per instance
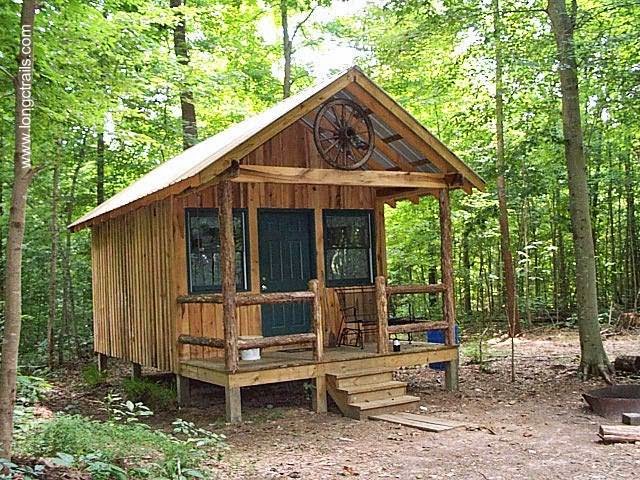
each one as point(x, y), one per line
point(343, 134)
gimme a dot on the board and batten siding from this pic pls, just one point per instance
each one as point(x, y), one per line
point(293, 147)
point(139, 261)
point(133, 301)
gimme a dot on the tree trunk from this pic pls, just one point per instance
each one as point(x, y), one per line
point(593, 356)
point(23, 174)
point(187, 107)
point(100, 169)
point(466, 272)
point(286, 49)
point(513, 318)
point(53, 262)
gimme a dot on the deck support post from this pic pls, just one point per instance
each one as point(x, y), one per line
point(446, 267)
point(383, 315)
point(183, 391)
point(233, 404)
point(136, 371)
point(317, 322)
point(319, 400)
point(102, 362)
point(228, 276)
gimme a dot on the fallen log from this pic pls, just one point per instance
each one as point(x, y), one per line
point(619, 433)
point(628, 363)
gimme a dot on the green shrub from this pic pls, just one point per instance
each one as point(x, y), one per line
point(92, 376)
point(103, 447)
point(156, 395)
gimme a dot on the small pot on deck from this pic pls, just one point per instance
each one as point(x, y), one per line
point(251, 354)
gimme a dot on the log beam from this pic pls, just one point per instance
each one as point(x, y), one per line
point(228, 274)
point(405, 289)
point(246, 298)
point(327, 176)
point(382, 315)
point(317, 321)
point(249, 343)
point(416, 327)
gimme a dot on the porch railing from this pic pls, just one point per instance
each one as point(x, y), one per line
point(384, 291)
point(316, 336)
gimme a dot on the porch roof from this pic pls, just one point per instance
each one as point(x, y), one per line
point(403, 144)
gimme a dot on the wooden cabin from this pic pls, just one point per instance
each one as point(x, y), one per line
point(271, 235)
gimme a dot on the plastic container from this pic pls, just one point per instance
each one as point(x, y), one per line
point(438, 336)
point(251, 354)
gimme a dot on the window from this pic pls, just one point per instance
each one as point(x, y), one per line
point(348, 247)
point(203, 249)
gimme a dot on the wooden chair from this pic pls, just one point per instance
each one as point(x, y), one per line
point(355, 322)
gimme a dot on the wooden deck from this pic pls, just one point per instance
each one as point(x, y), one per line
point(298, 364)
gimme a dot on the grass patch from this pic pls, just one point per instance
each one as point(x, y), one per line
point(113, 450)
point(92, 376)
point(156, 395)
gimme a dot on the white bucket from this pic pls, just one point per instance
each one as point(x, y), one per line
point(251, 354)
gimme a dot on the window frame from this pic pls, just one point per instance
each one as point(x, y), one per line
point(243, 214)
point(349, 212)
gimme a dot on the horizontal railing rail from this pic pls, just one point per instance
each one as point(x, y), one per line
point(316, 337)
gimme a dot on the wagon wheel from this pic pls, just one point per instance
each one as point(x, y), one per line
point(343, 134)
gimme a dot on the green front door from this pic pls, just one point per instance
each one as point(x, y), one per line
point(287, 263)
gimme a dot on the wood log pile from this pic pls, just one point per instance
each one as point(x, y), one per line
point(619, 433)
point(628, 363)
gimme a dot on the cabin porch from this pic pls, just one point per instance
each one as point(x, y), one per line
point(301, 364)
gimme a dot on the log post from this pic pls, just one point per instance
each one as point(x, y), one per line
point(233, 404)
point(228, 274)
point(317, 322)
point(183, 391)
point(136, 371)
point(102, 362)
point(383, 315)
point(448, 300)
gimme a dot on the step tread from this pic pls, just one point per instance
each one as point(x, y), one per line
point(372, 387)
point(386, 402)
point(362, 373)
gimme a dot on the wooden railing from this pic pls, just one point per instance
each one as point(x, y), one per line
point(316, 336)
point(384, 291)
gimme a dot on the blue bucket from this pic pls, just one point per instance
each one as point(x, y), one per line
point(438, 336)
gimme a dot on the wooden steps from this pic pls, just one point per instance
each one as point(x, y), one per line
point(360, 394)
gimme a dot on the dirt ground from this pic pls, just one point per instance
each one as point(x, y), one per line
point(536, 428)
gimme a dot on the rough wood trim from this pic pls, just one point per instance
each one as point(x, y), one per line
point(417, 327)
point(228, 274)
point(382, 315)
point(248, 298)
point(446, 266)
point(404, 289)
point(325, 176)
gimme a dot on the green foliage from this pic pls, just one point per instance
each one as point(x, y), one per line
point(125, 411)
point(30, 389)
point(145, 390)
point(92, 376)
point(122, 450)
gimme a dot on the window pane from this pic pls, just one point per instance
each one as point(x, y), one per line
point(204, 250)
point(203, 233)
point(348, 264)
point(347, 231)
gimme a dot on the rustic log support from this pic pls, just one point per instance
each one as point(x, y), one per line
point(228, 274)
point(404, 289)
point(246, 298)
point(317, 322)
point(417, 327)
point(103, 361)
point(383, 315)
point(319, 399)
point(183, 391)
point(233, 404)
point(136, 371)
point(201, 341)
point(448, 303)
